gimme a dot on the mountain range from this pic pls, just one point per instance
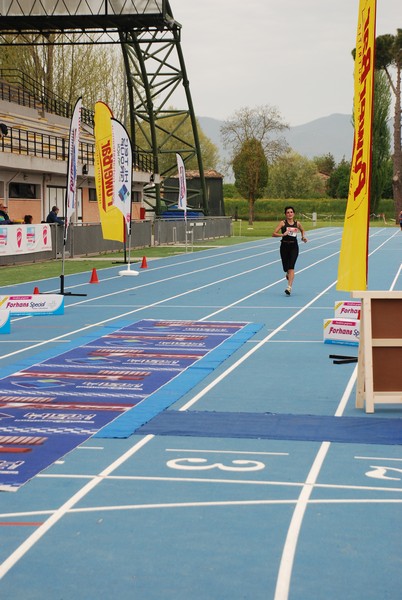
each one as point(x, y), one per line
point(328, 135)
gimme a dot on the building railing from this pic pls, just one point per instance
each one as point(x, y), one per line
point(17, 87)
point(86, 239)
point(43, 145)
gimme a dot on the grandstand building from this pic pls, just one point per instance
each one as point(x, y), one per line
point(34, 154)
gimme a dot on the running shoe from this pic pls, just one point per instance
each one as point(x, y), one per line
point(288, 290)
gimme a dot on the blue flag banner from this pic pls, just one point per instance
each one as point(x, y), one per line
point(52, 407)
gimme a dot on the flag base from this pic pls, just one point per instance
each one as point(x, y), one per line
point(129, 272)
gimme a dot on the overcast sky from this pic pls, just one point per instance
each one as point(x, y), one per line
point(292, 54)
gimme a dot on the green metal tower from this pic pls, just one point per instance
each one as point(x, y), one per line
point(156, 78)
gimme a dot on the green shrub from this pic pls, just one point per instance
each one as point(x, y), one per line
point(273, 210)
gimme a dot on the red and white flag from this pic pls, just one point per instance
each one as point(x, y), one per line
point(73, 149)
point(182, 202)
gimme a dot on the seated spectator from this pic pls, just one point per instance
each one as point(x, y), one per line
point(4, 218)
point(28, 219)
point(53, 218)
point(3, 130)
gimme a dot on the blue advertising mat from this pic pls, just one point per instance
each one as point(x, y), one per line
point(312, 428)
point(161, 399)
point(68, 398)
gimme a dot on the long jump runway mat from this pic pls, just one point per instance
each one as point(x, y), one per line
point(52, 407)
point(311, 428)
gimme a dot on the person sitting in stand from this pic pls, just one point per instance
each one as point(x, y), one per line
point(53, 218)
point(3, 130)
point(28, 219)
point(4, 218)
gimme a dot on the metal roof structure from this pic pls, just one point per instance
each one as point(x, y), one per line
point(154, 64)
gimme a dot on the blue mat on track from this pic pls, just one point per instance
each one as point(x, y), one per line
point(160, 400)
point(51, 407)
point(311, 428)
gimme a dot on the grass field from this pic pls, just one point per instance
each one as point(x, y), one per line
point(241, 232)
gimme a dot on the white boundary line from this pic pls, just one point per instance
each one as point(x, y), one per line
point(289, 550)
point(60, 512)
point(157, 303)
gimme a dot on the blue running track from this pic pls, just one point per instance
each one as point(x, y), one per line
point(204, 502)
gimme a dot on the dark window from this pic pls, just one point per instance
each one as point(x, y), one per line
point(23, 190)
point(92, 194)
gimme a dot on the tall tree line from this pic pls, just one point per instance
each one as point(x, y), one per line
point(93, 71)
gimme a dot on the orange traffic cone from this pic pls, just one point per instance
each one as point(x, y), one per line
point(144, 263)
point(94, 277)
point(36, 290)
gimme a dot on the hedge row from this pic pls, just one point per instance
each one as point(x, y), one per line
point(272, 210)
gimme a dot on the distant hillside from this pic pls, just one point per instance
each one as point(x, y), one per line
point(332, 134)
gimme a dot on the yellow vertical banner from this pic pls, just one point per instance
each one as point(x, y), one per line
point(352, 267)
point(110, 216)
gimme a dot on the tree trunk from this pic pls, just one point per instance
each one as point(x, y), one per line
point(250, 210)
point(397, 156)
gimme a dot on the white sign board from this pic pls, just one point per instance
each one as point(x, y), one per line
point(347, 309)
point(5, 321)
point(23, 239)
point(342, 331)
point(34, 305)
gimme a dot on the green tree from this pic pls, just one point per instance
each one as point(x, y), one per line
point(171, 129)
point(263, 123)
point(230, 191)
point(325, 163)
point(388, 55)
point(92, 71)
point(387, 192)
point(381, 139)
point(251, 173)
point(295, 176)
point(338, 183)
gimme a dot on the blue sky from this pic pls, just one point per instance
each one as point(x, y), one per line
point(292, 54)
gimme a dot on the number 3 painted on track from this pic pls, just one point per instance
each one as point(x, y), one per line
point(198, 464)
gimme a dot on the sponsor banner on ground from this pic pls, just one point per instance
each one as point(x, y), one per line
point(33, 305)
point(348, 309)
point(342, 331)
point(52, 407)
point(5, 321)
point(31, 439)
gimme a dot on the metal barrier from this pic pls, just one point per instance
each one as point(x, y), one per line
point(169, 231)
point(85, 239)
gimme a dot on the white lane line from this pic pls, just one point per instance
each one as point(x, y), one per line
point(289, 549)
point(226, 251)
point(286, 565)
point(393, 284)
point(141, 308)
point(67, 506)
point(254, 349)
point(202, 451)
point(203, 270)
point(223, 503)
